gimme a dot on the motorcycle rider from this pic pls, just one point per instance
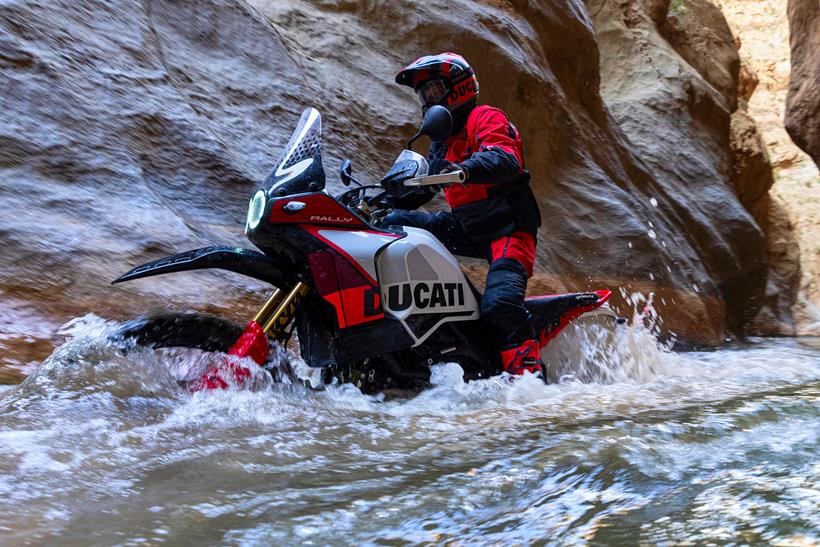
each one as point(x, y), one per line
point(494, 213)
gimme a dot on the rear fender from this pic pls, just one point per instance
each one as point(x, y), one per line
point(234, 259)
point(595, 306)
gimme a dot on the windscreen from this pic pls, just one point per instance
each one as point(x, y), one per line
point(299, 169)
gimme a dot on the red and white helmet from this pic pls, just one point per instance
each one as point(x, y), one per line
point(446, 79)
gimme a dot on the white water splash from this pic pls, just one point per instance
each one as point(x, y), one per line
point(101, 431)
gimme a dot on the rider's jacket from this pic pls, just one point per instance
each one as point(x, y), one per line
point(496, 200)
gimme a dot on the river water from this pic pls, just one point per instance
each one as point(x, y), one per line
point(102, 447)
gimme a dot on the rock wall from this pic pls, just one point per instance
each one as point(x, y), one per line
point(136, 129)
point(803, 102)
point(671, 75)
point(791, 211)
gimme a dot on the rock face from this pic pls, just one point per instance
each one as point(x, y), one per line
point(674, 104)
point(752, 177)
point(792, 207)
point(134, 130)
point(803, 103)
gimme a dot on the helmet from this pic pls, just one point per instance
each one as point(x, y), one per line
point(446, 79)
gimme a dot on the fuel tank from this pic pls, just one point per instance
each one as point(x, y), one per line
point(422, 284)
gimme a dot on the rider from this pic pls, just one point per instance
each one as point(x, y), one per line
point(494, 213)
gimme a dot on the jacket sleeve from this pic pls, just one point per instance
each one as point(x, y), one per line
point(497, 160)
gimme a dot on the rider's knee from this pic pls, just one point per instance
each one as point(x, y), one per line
point(399, 217)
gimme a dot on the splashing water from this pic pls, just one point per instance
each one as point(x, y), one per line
point(634, 444)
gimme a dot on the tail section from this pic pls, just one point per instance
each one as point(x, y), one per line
point(552, 313)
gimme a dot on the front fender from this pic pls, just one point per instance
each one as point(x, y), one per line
point(234, 259)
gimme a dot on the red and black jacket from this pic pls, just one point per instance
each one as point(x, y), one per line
point(497, 199)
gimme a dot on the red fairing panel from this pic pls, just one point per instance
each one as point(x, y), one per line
point(320, 209)
point(359, 247)
point(342, 280)
point(354, 297)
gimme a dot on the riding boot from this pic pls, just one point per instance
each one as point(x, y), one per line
point(525, 357)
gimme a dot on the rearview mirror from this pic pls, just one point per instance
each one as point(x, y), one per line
point(346, 172)
point(437, 124)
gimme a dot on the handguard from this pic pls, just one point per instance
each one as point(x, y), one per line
point(456, 177)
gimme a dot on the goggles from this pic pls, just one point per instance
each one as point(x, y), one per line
point(432, 92)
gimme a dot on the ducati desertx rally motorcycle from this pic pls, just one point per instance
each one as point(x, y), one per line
point(372, 305)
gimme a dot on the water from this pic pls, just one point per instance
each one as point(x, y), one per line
point(100, 447)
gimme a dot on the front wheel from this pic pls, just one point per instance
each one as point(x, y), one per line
point(180, 330)
point(397, 373)
point(197, 331)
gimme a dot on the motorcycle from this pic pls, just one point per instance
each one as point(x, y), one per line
point(371, 305)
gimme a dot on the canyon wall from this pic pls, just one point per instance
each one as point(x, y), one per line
point(803, 101)
point(777, 61)
point(138, 129)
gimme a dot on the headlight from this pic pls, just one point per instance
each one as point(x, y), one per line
point(255, 210)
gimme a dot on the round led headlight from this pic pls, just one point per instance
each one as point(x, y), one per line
point(256, 209)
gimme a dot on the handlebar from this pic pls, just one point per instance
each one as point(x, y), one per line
point(456, 177)
point(356, 198)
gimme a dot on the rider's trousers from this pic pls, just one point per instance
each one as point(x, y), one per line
point(511, 261)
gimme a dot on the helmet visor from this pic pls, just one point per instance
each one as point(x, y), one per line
point(432, 92)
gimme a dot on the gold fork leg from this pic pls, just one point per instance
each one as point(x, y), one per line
point(285, 310)
point(269, 306)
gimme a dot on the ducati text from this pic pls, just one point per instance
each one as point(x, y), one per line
point(425, 295)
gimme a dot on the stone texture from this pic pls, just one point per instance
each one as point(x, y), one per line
point(803, 102)
point(751, 170)
point(137, 129)
point(699, 33)
point(761, 27)
point(679, 124)
point(776, 317)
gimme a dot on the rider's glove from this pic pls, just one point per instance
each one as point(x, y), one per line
point(438, 166)
point(393, 187)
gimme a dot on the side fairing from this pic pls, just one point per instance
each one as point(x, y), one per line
point(344, 272)
point(422, 285)
point(361, 246)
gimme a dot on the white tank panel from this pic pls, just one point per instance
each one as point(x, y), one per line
point(420, 278)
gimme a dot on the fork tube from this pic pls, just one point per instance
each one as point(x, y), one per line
point(285, 311)
point(268, 307)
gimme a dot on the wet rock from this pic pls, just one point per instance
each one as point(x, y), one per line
point(762, 29)
point(776, 317)
point(752, 177)
point(697, 30)
point(134, 130)
point(674, 104)
point(751, 170)
point(803, 101)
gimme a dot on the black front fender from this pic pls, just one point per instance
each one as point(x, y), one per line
point(234, 259)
